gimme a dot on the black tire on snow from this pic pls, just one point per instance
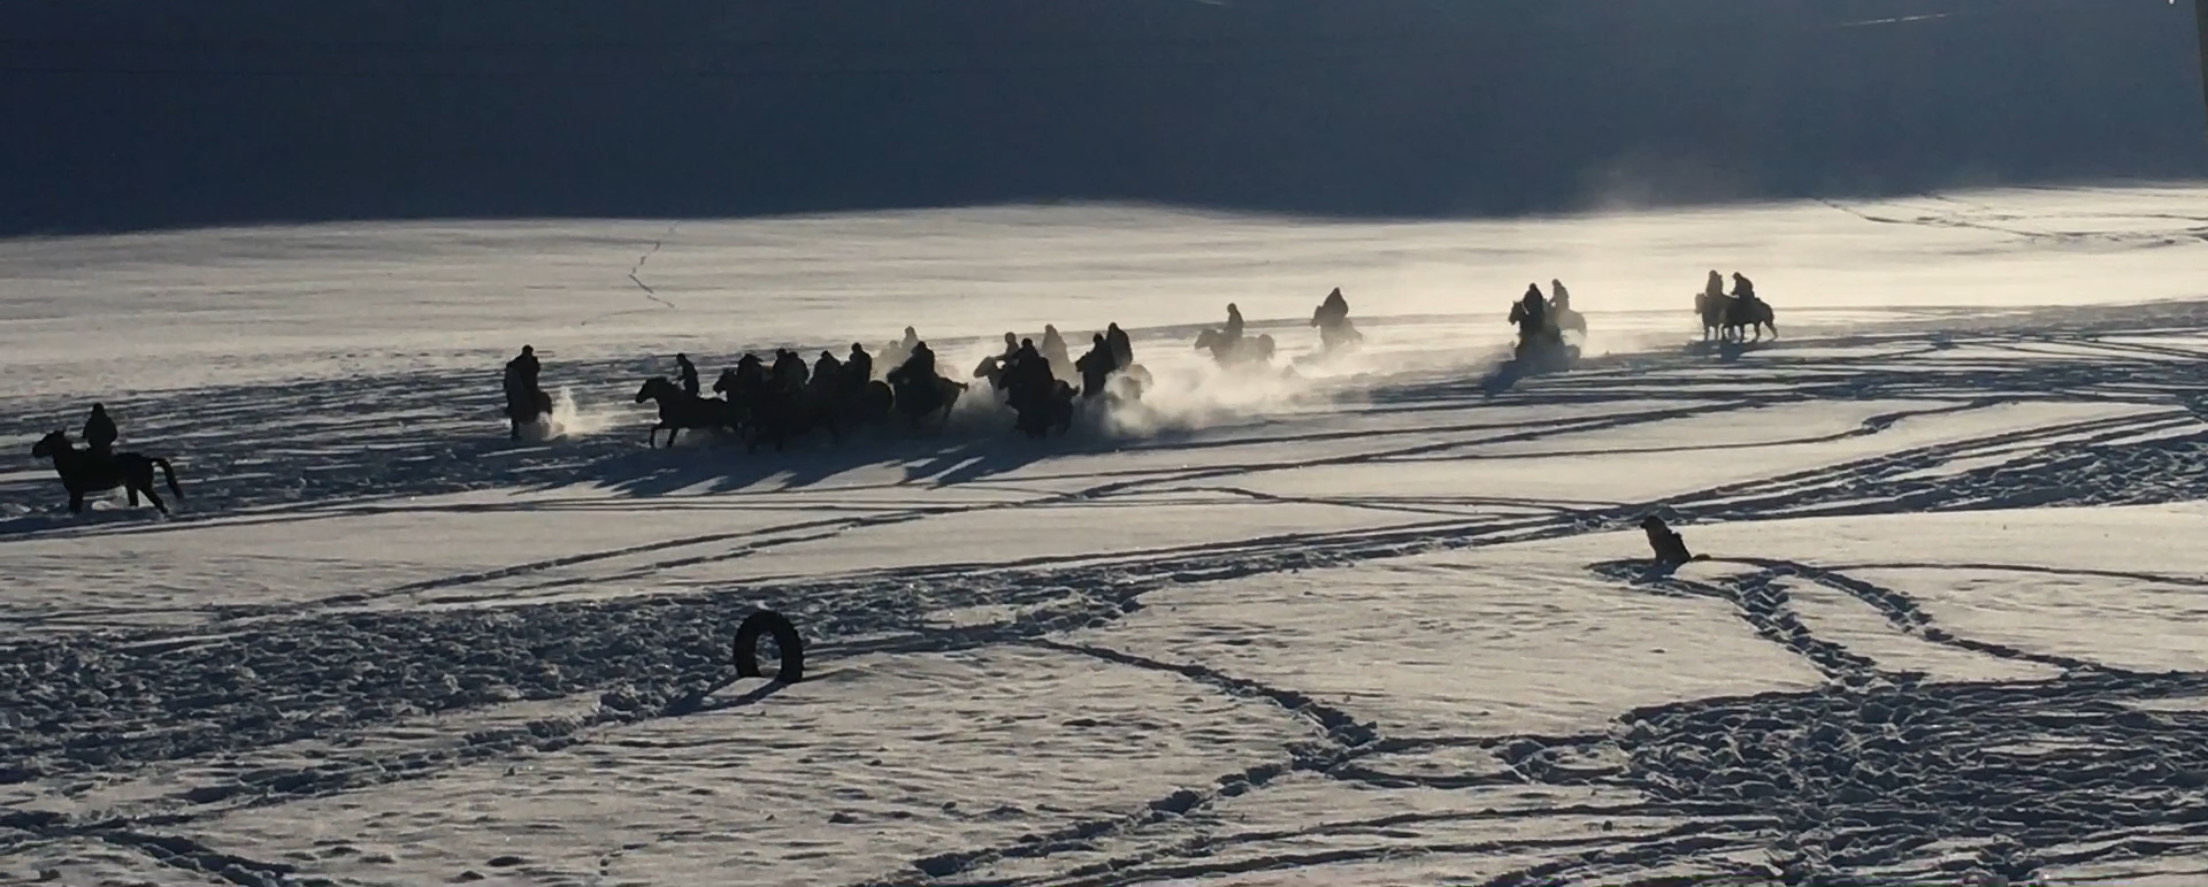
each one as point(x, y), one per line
point(746, 654)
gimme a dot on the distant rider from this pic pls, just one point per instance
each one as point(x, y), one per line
point(521, 388)
point(1530, 314)
point(858, 369)
point(1095, 366)
point(1332, 311)
point(1234, 323)
point(1559, 297)
point(689, 372)
point(913, 382)
point(1744, 289)
point(827, 378)
point(1123, 349)
point(1054, 349)
point(99, 431)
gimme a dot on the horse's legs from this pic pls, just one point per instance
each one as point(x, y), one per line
point(76, 501)
point(131, 490)
point(151, 496)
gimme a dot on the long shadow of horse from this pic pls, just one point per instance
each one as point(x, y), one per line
point(973, 451)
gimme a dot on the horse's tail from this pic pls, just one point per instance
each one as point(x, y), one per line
point(168, 472)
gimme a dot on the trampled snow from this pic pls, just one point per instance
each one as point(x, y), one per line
point(1375, 621)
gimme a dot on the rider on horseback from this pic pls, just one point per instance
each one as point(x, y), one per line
point(1123, 350)
point(521, 389)
point(1744, 289)
point(914, 380)
point(1531, 314)
point(1095, 366)
point(1233, 329)
point(1027, 376)
point(1332, 311)
point(789, 371)
point(99, 432)
point(827, 382)
point(1054, 349)
point(858, 369)
point(1560, 298)
point(689, 373)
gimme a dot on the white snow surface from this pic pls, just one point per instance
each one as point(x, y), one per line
point(1378, 621)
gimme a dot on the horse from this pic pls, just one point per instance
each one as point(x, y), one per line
point(681, 411)
point(991, 369)
point(946, 394)
point(1233, 352)
point(1339, 335)
point(1053, 409)
point(1726, 316)
point(778, 414)
point(84, 472)
point(1335, 330)
point(1545, 353)
point(521, 411)
point(866, 404)
point(1567, 320)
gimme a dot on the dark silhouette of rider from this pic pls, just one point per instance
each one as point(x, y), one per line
point(789, 370)
point(1054, 348)
point(918, 368)
point(1095, 367)
point(522, 372)
point(689, 372)
point(1743, 288)
point(913, 382)
point(521, 389)
point(1123, 350)
point(1559, 298)
point(99, 431)
point(1234, 323)
point(1332, 311)
point(1532, 313)
point(858, 369)
point(827, 374)
point(1027, 376)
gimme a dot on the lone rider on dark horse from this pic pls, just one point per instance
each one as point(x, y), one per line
point(100, 433)
point(687, 374)
point(914, 380)
point(525, 401)
point(1532, 317)
point(86, 471)
point(1035, 393)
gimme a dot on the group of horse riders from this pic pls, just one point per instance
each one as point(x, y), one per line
point(1029, 374)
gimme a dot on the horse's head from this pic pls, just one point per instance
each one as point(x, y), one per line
point(1207, 338)
point(653, 387)
point(53, 444)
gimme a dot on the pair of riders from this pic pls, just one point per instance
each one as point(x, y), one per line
point(1536, 316)
point(1109, 352)
point(1743, 288)
point(1025, 373)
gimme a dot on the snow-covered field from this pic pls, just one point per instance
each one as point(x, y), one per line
point(1377, 623)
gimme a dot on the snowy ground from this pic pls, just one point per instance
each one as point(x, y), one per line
point(1376, 624)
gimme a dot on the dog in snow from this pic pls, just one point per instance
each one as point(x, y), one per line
point(1671, 549)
